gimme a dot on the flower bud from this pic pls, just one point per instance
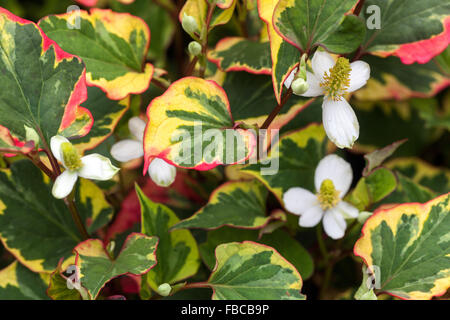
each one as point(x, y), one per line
point(164, 289)
point(363, 216)
point(189, 24)
point(195, 48)
point(299, 86)
point(162, 173)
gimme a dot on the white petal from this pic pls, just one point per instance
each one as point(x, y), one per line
point(97, 167)
point(299, 200)
point(322, 62)
point(334, 224)
point(137, 128)
point(340, 122)
point(290, 78)
point(347, 210)
point(162, 173)
point(63, 185)
point(337, 170)
point(311, 217)
point(127, 150)
point(314, 89)
point(359, 75)
point(55, 146)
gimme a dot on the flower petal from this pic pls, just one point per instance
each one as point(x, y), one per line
point(359, 75)
point(322, 62)
point(55, 146)
point(162, 173)
point(334, 224)
point(347, 210)
point(63, 185)
point(299, 200)
point(337, 170)
point(97, 167)
point(137, 128)
point(290, 78)
point(127, 150)
point(340, 122)
point(314, 89)
point(311, 217)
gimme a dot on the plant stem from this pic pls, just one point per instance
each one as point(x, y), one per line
point(358, 8)
point(76, 216)
point(277, 110)
point(191, 66)
point(322, 246)
point(196, 285)
point(204, 38)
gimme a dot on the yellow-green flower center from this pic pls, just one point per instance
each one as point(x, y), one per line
point(71, 157)
point(328, 196)
point(337, 80)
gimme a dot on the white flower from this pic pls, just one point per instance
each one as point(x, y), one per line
point(333, 80)
point(93, 166)
point(162, 173)
point(333, 177)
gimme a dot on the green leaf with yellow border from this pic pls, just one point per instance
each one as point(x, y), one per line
point(190, 126)
point(97, 267)
point(37, 228)
point(19, 283)
point(241, 54)
point(251, 271)
point(308, 23)
point(41, 86)
point(177, 255)
point(285, 57)
point(410, 247)
point(291, 161)
point(237, 204)
point(113, 46)
point(280, 240)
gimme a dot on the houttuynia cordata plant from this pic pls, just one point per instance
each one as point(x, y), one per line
point(224, 149)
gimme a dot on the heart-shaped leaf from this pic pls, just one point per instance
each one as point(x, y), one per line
point(113, 46)
point(97, 267)
point(408, 249)
point(251, 271)
point(191, 126)
point(41, 86)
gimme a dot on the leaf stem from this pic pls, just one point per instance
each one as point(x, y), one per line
point(322, 246)
point(277, 110)
point(204, 37)
point(359, 7)
point(70, 203)
point(196, 285)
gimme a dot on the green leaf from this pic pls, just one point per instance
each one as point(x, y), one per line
point(251, 271)
point(348, 36)
point(280, 240)
point(113, 46)
point(410, 247)
point(19, 283)
point(296, 156)
point(177, 255)
point(373, 188)
point(97, 267)
point(285, 57)
point(41, 86)
point(403, 22)
point(391, 79)
point(377, 157)
point(195, 129)
point(308, 23)
point(37, 228)
point(58, 287)
point(236, 203)
point(240, 54)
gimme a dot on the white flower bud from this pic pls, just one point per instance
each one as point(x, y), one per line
point(164, 289)
point(189, 24)
point(162, 173)
point(31, 135)
point(363, 216)
point(195, 48)
point(299, 86)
